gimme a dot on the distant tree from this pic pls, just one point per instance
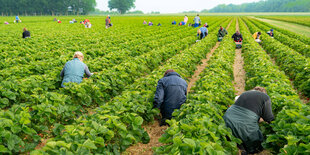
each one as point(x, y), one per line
point(135, 12)
point(266, 6)
point(122, 6)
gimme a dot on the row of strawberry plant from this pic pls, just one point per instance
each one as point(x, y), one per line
point(198, 127)
point(291, 34)
point(295, 65)
point(303, 20)
point(110, 81)
point(113, 58)
point(65, 44)
point(293, 43)
point(52, 107)
point(289, 132)
point(118, 123)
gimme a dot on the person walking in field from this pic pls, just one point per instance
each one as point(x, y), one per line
point(197, 21)
point(185, 19)
point(171, 92)
point(26, 33)
point(221, 33)
point(270, 33)
point(74, 70)
point(243, 118)
point(256, 36)
point(202, 32)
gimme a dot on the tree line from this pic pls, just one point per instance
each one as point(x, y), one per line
point(266, 6)
point(46, 7)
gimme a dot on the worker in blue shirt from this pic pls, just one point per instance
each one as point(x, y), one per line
point(202, 32)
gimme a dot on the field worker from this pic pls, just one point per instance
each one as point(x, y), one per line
point(174, 22)
point(202, 32)
point(182, 23)
point(26, 33)
point(270, 33)
point(221, 33)
point(256, 36)
point(144, 22)
point(197, 21)
point(17, 19)
point(159, 24)
point(107, 22)
point(237, 37)
point(150, 23)
point(88, 25)
point(74, 70)
point(6, 23)
point(206, 25)
point(59, 21)
point(55, 19)
point(185, 19)
point(243, 118)
point(170, 94)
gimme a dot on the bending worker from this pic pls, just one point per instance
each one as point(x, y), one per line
point(170, 94)
point(26, 33)
point(250, 108)
point(202, 32)
point(270, 33)
point(221, 34)
point(256, 36)
point(74, 70)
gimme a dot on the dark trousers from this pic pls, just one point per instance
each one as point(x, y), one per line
point(201, 35)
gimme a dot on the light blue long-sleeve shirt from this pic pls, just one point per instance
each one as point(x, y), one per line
point(197, 19)
point(203, 31)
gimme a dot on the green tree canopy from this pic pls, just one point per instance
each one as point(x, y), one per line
point(46, 7)
point(266, 6)
point(121, 5)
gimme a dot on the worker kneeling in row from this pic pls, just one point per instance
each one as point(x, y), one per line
point(256, 36)
point(250, 108)
point(202, 32)
point(74, 70)
point(170, 94)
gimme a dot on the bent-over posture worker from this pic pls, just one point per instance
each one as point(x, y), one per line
point(174, 22)
point(17, 19)
point(237, 37)
point(202, 32)
point(270, 33)
point(221, 33)
point(26, 33)
point(74, 70)
point(170, 94)
point(256, 36)
point(108, 22)
point(243, 117)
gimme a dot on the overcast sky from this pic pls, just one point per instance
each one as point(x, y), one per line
point(174, 6)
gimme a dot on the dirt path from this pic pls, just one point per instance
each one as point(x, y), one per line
point(201, 67)
point(155, 132)
point(239, 72)
point(300, 29)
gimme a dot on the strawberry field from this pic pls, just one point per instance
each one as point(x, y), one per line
point(106, 113)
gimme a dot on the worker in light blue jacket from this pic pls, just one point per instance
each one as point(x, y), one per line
point(74, 70)
point(202, 32)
